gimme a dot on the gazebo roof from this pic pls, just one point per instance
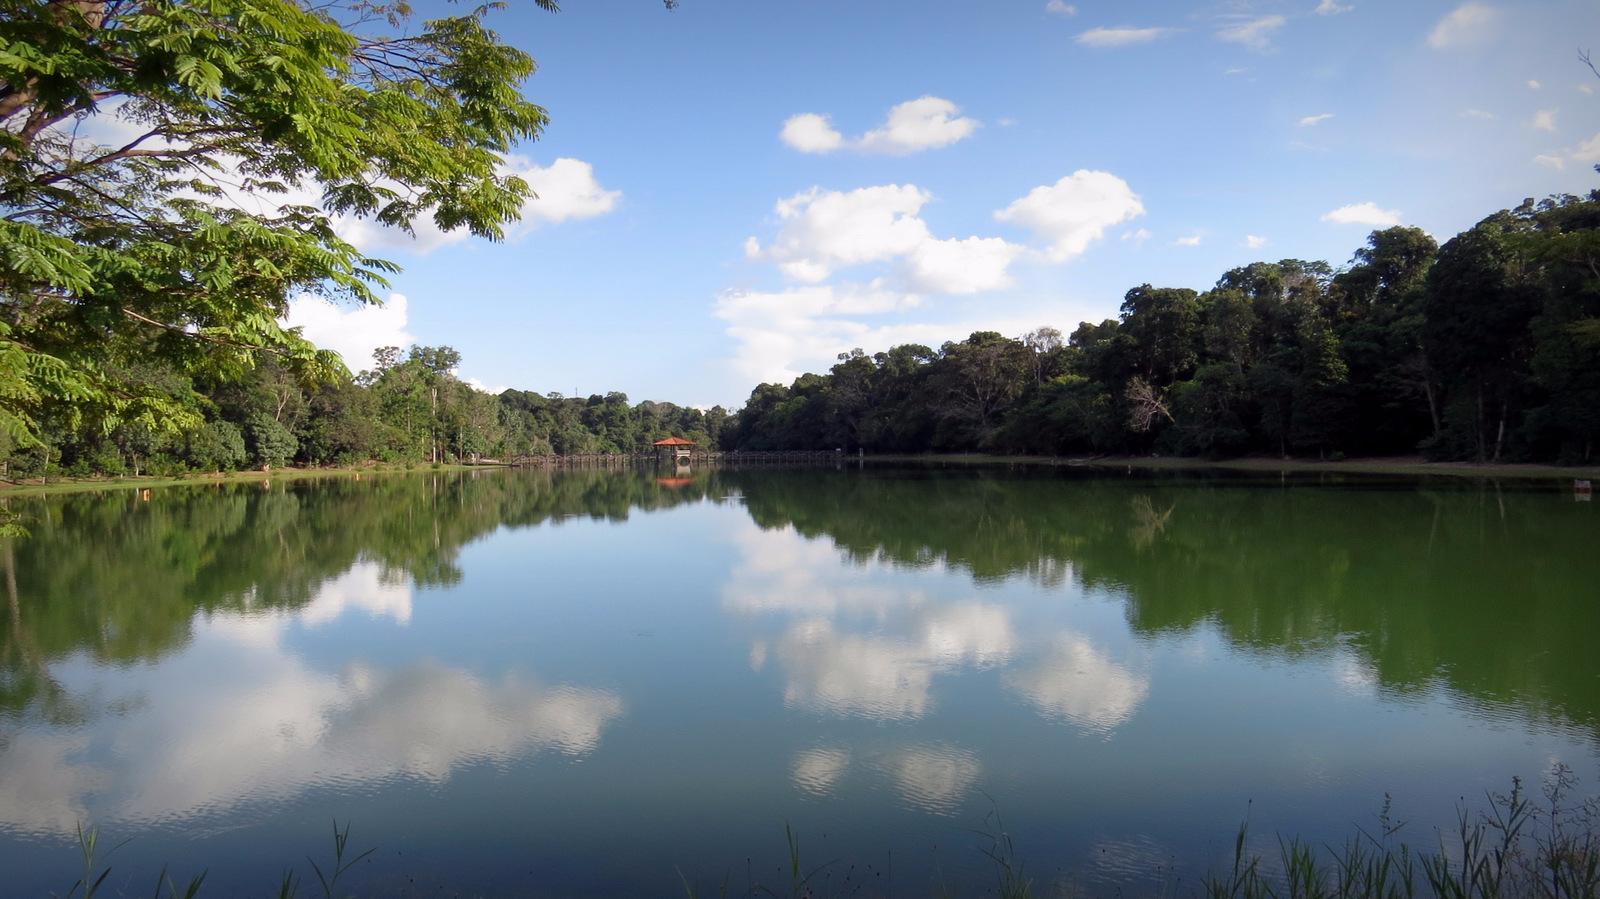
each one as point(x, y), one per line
point(675, 441)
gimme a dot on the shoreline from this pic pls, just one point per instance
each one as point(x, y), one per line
point(1410, 466)
point(34, 487)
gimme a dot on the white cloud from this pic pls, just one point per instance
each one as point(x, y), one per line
point(1332, 8)
point(826, 230)
point(1368, 213)
point(921, 124)
point(973, 265)
point(1585, 88)
point(780, 334)
point(1254, 241)
point(925, 123)
point(1533, 84)
point(476, 384)
point(1060, 8)
point(1137, 235)
point(351, 331)
point(1190, 240)
point(1544, 120)
point(1121, 37)
point(566, 189)
point(809, 132)
point(1075, 211)
point(1467, 24)
point(1255, 33)
point(1310, 120)
point(1476, 114)
point(1587, 152)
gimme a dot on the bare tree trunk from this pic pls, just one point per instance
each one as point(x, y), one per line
point(1433, 407)
point(1477, 425)
point(1500, 432)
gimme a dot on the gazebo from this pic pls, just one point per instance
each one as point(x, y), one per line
point(676, 448)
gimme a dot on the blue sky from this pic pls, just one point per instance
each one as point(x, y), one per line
point(959, 166)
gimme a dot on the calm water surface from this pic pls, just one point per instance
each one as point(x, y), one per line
point(520, 683)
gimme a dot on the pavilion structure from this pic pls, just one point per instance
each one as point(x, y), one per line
point(676, 449)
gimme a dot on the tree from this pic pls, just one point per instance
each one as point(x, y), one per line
point(172, 172)
point(1478, 307)
point(271, 444)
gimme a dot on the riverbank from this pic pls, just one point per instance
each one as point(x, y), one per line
point(37, 487)
point(1399, 465)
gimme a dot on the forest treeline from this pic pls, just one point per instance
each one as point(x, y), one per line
point(1485, 348)
point(409, 407)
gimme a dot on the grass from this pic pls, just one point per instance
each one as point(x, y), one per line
point(1518, 847)
point(63, 484)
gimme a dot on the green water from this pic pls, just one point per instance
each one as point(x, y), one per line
point(519, 683)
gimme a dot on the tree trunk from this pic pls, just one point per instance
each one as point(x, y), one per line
point(1477, 425)
point(1500, 432)
point(1433, 407)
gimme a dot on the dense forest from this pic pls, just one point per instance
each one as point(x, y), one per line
point(409, 407)
point(1486, 348)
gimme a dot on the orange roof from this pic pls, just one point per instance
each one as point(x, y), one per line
point(675, 441)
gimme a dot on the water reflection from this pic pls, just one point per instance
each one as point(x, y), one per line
point(236, 716)
point(1077, 683)
point(882, 647)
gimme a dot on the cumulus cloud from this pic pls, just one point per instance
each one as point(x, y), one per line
point(1477, 114)
point(1544, 120)
point(352, 331)
point(920, 124)
point(565, 190)
point(1254, 241)
point(1586, 153)
point(1550, 161)
point(1190, 240)
point(1367, 213)
point(1533, 84)
point(925, 123)
point(1310, 120)
point(1332, 8)
point(1253, 33)
point(1075, 211)
point(825, 231)
point(1060, 8)
point(1137, 235)
point(809, 132)
point(1121, 37)
point(1467, 24)
point(956, 266)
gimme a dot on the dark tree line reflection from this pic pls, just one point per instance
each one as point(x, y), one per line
point(1487, 590)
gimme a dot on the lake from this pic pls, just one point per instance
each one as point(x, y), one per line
point(581, 684)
